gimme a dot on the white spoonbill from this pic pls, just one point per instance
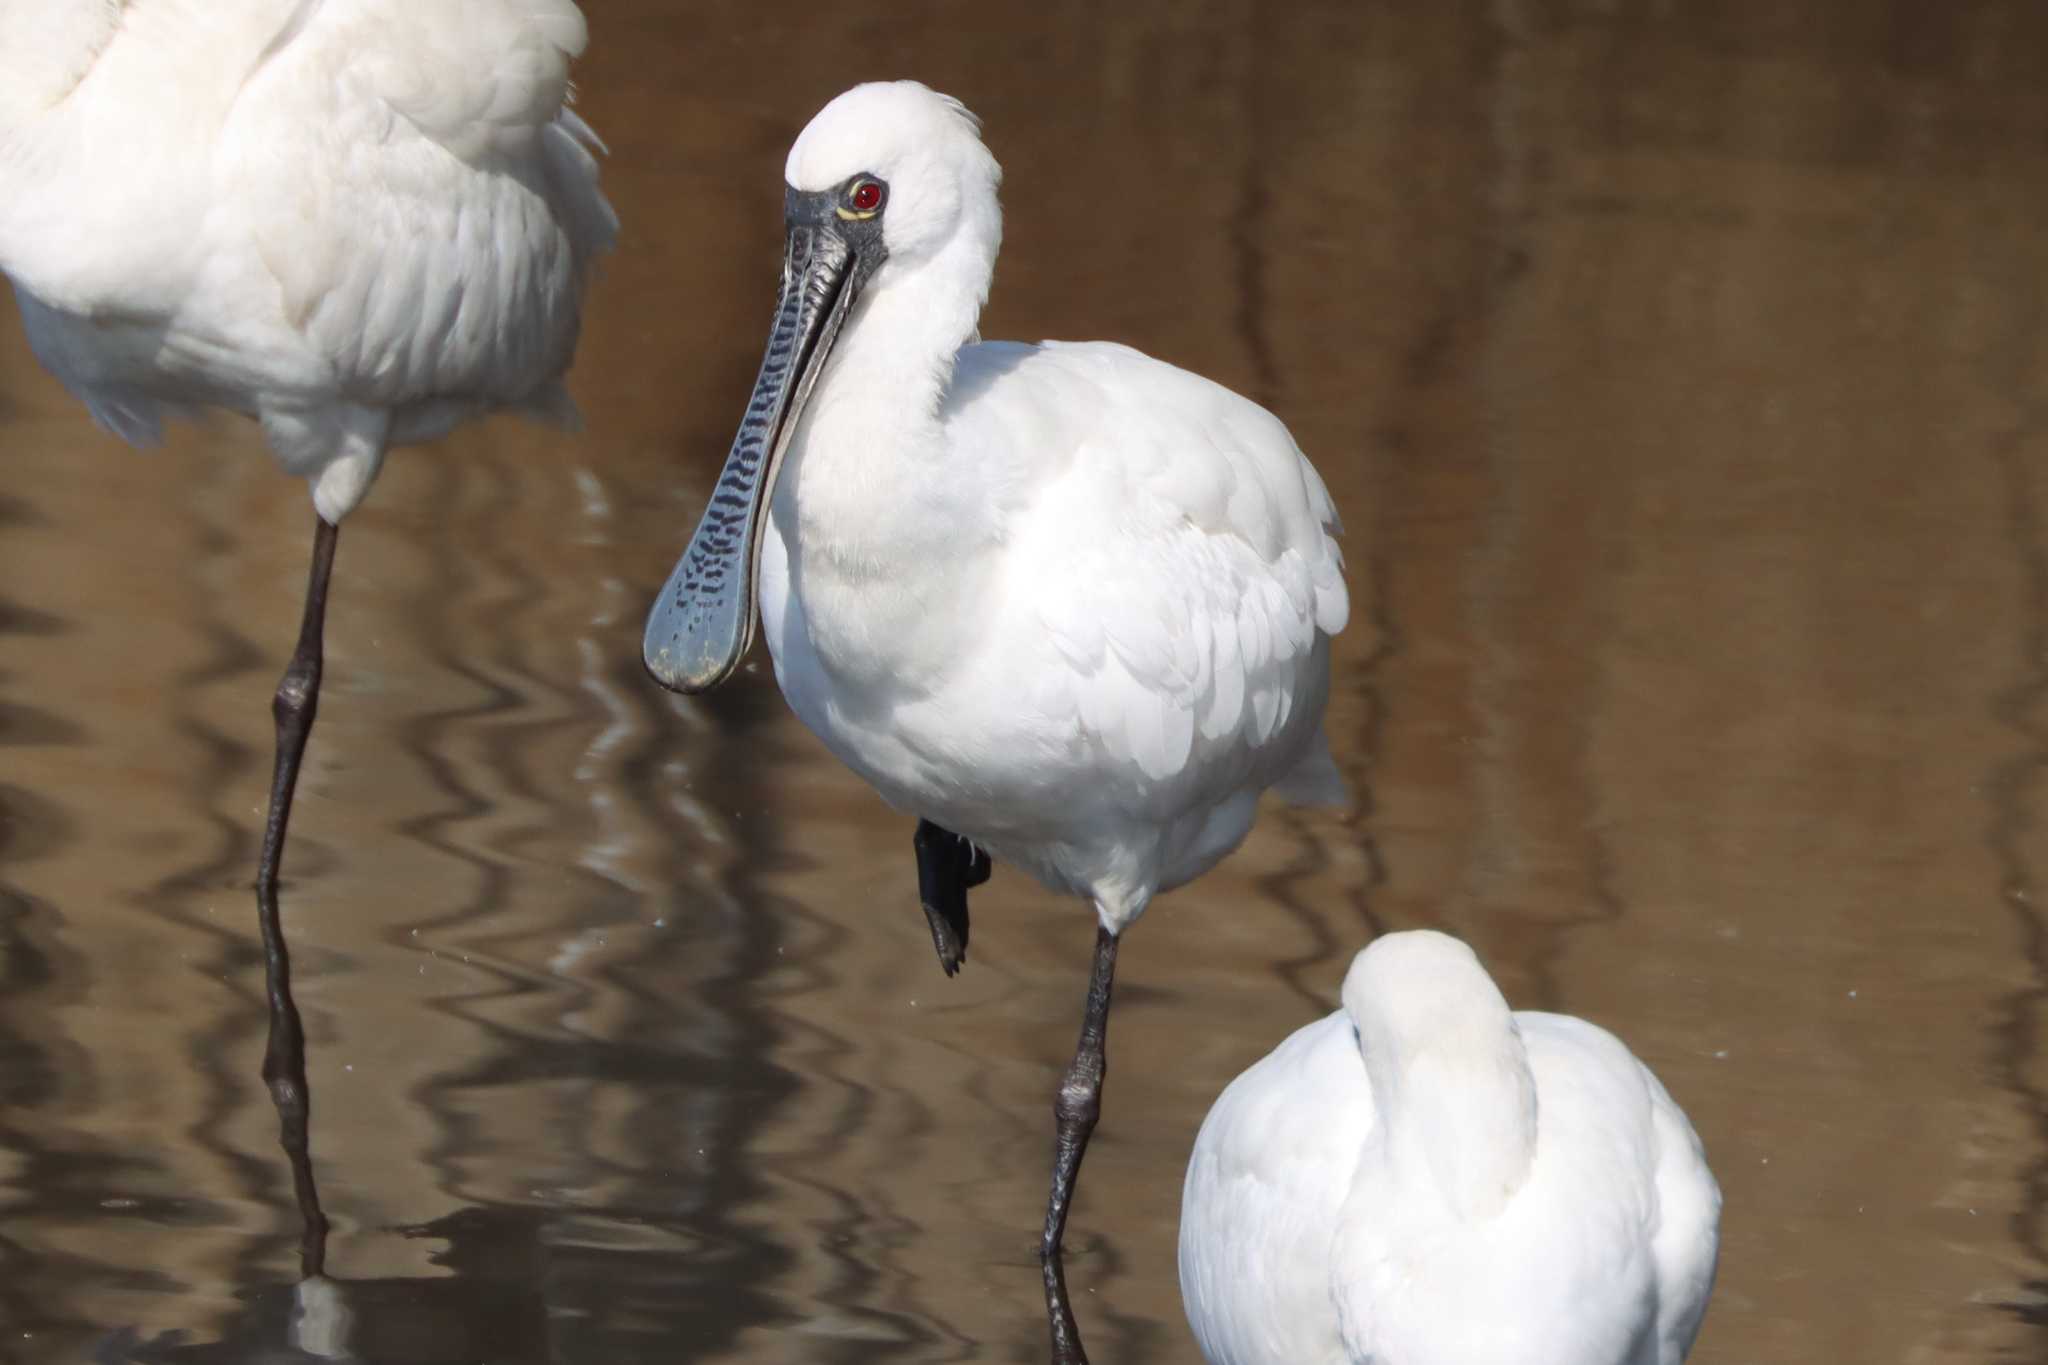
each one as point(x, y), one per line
point(1424, 1178)
point(358, 221)
point(1068, 604)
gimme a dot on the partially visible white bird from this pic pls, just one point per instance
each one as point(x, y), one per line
point(358, 221)
point(1423, 1178)
point(1067, 601)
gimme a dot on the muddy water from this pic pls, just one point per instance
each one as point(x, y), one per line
point(1682, 374)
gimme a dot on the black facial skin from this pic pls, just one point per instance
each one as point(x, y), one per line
point(834, 209)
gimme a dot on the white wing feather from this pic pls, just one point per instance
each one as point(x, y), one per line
point(1686, 1245)
point(1264, 1190)
point(1196, 568)
point(344, 216)
point(413, 180)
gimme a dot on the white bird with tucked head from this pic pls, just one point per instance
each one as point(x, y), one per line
point(1065, 602)
point(360, 222)
point(1424, 1178)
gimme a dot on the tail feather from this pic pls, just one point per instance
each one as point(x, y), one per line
point(1315, 780)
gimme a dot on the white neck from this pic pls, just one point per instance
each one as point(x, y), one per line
point(864, 455)
point(1457, 1102)
point(881, 518)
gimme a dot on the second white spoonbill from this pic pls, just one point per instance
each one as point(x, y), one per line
point(360, 222)
point(1423, 1178)
point(1069, 605)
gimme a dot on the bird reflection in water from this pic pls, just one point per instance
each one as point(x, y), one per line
point(481, 1306)
point(320, 1314)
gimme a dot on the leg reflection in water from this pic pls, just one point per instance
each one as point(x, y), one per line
point(320, 1318)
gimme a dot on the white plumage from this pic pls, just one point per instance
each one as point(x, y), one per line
point(360, 221)
point(357, 221)
point(1066, 600)
point(1423, 1178)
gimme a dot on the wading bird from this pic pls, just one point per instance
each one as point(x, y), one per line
point(360, 222)
point(1069, 605)
point(1423, 1178)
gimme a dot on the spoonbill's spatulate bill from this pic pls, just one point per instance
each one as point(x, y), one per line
point(1069, 605)
point(1423, 1178)
point(360, 222)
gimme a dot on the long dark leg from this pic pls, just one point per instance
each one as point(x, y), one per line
point(947, 865)
point(298, 1150)
point(284, 1060)
point(1075, 1109)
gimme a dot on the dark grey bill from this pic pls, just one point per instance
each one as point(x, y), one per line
point(705, 618)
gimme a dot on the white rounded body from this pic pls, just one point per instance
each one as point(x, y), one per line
point(1528, 1194)
point(1099, 693)
point(360, 221)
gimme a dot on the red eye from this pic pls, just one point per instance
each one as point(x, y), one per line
point(866, 197)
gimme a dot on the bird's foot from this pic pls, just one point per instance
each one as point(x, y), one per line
point(948, 942)
point(947, 866)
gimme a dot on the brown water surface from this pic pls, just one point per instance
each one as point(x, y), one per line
point(1681, 371)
